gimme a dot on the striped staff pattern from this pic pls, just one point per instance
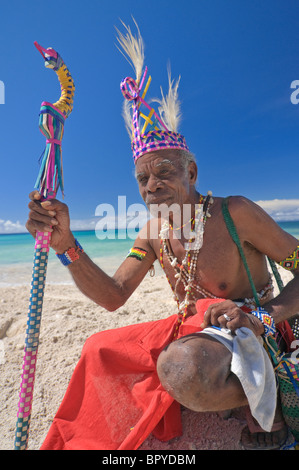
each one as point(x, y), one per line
point(49, 180)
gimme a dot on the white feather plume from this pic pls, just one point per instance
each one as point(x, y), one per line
point(132, 49)
point(170, 106)
point(127, 115)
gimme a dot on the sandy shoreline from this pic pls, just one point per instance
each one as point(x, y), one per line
point(69, 318)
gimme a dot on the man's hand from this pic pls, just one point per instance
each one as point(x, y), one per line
point(50, 216)
point(228, 315)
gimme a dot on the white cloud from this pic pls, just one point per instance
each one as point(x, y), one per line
point(281, 209)
point(84, 224)
point(7, 226)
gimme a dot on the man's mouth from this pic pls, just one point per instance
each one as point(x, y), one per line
point(159, 196)
point(157, 199)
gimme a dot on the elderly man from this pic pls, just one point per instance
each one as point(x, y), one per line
point(131, 381)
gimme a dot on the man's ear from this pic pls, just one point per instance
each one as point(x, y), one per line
point(192, 173)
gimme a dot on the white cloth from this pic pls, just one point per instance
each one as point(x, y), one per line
point(251, 364)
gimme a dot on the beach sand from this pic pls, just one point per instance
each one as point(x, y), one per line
point(68, 319)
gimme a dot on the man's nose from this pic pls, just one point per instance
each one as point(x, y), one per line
point(153, 183)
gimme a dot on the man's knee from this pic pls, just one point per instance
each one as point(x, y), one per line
point(195, 371)
point(177, 371)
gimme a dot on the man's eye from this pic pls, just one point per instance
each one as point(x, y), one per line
point(142, 180)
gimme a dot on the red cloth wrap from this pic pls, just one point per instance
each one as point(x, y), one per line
point(114, 399)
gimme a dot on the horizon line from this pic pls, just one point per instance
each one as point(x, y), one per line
point(92, 229)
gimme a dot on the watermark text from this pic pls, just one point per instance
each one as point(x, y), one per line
point(126, 222)
point(295, 95)
point(2, 92)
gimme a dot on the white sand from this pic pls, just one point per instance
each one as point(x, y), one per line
point(68, 319)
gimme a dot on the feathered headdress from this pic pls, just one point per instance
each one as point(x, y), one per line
point(149, 130)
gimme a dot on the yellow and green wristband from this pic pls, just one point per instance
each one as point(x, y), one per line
point(137, 253)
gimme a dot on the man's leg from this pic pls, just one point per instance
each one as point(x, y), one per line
point(195, 370)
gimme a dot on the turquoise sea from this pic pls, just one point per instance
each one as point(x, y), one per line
point(17, 250)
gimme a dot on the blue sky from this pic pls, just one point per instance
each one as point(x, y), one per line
point(237, 60)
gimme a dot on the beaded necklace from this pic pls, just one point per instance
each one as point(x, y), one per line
point(185, 272)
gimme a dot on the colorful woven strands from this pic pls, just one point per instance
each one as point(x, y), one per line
point(49, 180)
point(154, 135)
point(51, 124)
point(54, 61)
point(32, 340)
point(287, 373)
point(149, 130)
point(292, 261)
point(50, 177)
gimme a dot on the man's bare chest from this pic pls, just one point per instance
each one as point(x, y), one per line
point(217, 263)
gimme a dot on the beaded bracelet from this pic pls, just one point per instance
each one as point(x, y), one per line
point(266, 319)
point(70, 255)
point(292, 261)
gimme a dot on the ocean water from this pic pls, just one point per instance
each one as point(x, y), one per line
point(17, 251)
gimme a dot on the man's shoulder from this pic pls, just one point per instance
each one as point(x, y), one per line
point(241, 205)
point(250, 218)
point(246, 213)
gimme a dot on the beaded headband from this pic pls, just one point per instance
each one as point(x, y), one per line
point(152, 131)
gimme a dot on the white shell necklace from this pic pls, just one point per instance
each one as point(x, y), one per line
point(185, 272)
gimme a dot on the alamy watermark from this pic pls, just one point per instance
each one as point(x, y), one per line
point(2, 92)
point(121, 222)
point(126, 222)
point(295, 95)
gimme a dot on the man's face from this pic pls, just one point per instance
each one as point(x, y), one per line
point(162, 179)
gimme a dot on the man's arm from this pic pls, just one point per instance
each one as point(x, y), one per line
point(112, 292)
point(257, 228)
point(286, 304)
point(109, 292)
